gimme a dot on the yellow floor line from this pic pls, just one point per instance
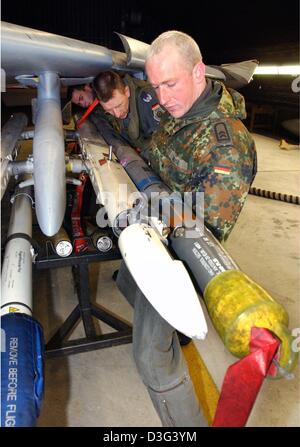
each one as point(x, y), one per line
point(206, 390)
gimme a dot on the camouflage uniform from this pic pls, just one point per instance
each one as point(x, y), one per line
point(209, 150)
point(144, 114)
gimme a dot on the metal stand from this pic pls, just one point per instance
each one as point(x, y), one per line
point(56, 346)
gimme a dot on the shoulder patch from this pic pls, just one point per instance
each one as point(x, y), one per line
point(222, 135)
point(157, 111)
point(146, 97)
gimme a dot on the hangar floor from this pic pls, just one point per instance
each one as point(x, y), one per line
point(103, 388)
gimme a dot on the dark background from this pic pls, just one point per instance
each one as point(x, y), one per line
point(225, 31)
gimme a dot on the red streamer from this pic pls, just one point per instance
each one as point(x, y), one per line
point(243, 380)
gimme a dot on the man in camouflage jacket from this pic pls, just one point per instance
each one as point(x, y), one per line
point(210, 150)
point(200, 145)
point(131, 106)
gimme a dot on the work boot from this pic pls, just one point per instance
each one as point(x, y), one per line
point(183, 339)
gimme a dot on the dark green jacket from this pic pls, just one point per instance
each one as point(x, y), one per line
point(209, 150)
point(144, 114)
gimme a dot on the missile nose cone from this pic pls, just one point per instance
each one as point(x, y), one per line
point(50, 216)
point(163, 280)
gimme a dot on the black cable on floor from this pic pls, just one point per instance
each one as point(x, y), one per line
point(275, 195)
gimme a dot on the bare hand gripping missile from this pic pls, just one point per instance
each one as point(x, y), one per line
point(234, 301)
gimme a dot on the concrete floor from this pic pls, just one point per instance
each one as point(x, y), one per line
point(103, 388)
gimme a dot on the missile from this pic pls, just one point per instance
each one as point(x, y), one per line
point(22, 353)
point(49, 156)
point(49, 176)
point(16, 284)
point(163, 280)
point(234, 301)
point(114, 189)
point(10, 134)
point(141, 246)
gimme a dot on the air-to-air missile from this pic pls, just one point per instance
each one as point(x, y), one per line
point(22, 343)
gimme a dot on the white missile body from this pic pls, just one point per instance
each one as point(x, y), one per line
point(113, 187)
point(163, 280)
point(49, 156)
point(16, 278)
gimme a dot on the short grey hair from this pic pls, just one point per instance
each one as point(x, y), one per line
point(186, 45)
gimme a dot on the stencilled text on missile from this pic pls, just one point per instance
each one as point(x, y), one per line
point(11, 408)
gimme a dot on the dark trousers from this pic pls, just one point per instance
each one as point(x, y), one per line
point(160, 361)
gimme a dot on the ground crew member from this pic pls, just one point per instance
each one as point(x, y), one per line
point(200, 145)
point(132, 105)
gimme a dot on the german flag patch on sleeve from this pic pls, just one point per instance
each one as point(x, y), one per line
point(225, 170)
